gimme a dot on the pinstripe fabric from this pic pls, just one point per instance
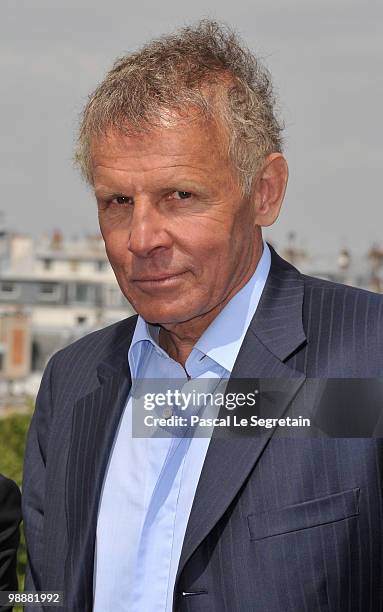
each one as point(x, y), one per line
point(277, 524)
point(86, 470)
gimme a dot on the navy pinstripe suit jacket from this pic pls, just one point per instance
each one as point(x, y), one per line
point(277, 524)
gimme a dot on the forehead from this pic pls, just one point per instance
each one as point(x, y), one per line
point(195, 141)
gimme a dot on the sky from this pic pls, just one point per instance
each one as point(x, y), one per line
point(326, 60)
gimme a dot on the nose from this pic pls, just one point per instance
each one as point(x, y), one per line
point(147, 229)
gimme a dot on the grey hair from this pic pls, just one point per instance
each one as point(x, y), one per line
point(203, 67)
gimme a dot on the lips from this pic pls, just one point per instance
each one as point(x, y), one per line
point(157, 279)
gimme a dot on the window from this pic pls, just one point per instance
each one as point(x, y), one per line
point(49, 292)
point(47, 288)
point(9, 289)
point(84, 293)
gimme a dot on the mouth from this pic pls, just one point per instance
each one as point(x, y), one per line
point(162, 280)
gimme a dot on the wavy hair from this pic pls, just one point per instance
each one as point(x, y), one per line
point(203, 68)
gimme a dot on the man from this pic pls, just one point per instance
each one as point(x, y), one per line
point(10, 517)
point(182, 148)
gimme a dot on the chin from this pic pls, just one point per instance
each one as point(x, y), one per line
point(163, 314)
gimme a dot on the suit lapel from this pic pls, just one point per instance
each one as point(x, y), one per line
point(96, 418)
point(276, 331)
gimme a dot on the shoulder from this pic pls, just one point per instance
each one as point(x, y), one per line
point(324, 300)
point(72, 371)
point(343, 325)
point(349, 304)
point(98, 344)
point(344, 328)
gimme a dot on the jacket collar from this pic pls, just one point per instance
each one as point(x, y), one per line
point(116, 361)
point(278, 321)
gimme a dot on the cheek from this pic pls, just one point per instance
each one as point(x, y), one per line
point(114, 229)
point(213, 262)
point(116, 247)
point(114, 254)
point(214, 242)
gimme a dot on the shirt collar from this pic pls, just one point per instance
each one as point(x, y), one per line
point(222, 340)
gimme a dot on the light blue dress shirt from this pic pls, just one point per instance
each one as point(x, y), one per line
point(150, 482)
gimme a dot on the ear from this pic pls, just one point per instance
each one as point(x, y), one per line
point(269, 189)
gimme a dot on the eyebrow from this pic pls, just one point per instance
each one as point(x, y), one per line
point(183, 184)
point(110, 195)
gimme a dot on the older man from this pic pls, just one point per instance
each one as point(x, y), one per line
point(183, 150)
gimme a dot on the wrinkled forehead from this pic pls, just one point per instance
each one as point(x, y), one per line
point(191, 139)
point(191, 122)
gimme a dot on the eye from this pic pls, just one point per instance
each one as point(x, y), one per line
point(182, 195)
point(119, 199)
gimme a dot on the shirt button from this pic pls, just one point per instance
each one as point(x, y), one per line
point(167, 413)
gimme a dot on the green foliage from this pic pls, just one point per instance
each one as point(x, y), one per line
point(13, 431)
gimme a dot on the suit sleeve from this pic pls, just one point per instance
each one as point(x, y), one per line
point(10, 517)
point(34, 478)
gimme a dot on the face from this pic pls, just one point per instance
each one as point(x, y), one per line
point(178, 233)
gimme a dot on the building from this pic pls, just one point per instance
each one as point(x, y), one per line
point(65, 288)
point(364, 271)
